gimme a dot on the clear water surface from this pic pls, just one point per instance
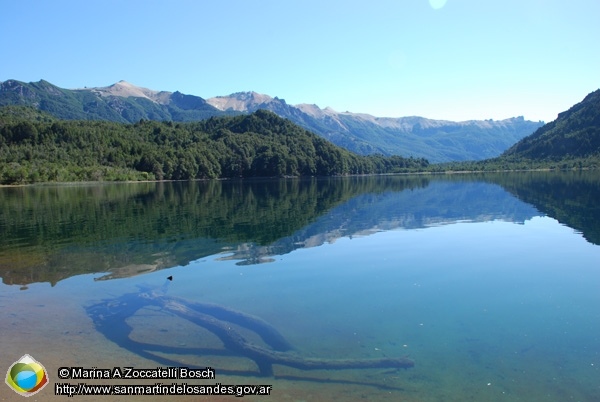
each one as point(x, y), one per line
point(490, 283)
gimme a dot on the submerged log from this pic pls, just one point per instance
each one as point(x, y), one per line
point(266, 331)
point(218, 319)
point(263, 357)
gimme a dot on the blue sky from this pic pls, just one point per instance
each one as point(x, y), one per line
point(454, 59)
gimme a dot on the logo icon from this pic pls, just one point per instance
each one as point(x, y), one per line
point(26, 376)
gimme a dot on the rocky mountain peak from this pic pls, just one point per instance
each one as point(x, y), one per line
point(240, 101)
point(125, 89)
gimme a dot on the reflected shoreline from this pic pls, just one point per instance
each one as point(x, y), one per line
point(53, 231)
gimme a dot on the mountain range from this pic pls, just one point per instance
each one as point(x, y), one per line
point(435, 140)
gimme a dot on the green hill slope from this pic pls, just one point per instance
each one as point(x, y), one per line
point(574, 134)
point(87, 104)
point(34, 147)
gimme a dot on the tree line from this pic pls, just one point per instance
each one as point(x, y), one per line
point(35, 147)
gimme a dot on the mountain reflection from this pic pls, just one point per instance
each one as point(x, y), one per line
point(50, 233)
point(443, 201)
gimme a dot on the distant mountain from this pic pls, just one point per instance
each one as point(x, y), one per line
point(435, 140)
point(575, 134)
point(120, 102)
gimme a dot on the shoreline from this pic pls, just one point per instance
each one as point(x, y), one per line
point(446, 172)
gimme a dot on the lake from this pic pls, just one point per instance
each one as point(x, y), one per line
point(488, 283)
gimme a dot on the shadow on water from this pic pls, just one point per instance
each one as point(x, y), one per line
point(110, 318)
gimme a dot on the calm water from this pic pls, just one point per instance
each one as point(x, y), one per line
point(489, 283)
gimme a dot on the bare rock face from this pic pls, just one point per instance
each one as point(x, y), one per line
point(127, 90)
point(240, 101)
point(16, 87)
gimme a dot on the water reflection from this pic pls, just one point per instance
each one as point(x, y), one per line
point(50, 233)
point(569, 197)
point(459, 274)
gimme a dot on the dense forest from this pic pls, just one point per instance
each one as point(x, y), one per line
point(35, 147)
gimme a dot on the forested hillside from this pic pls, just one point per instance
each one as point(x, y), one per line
point(435, 140)
point(35, 147)
point(574, 134)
